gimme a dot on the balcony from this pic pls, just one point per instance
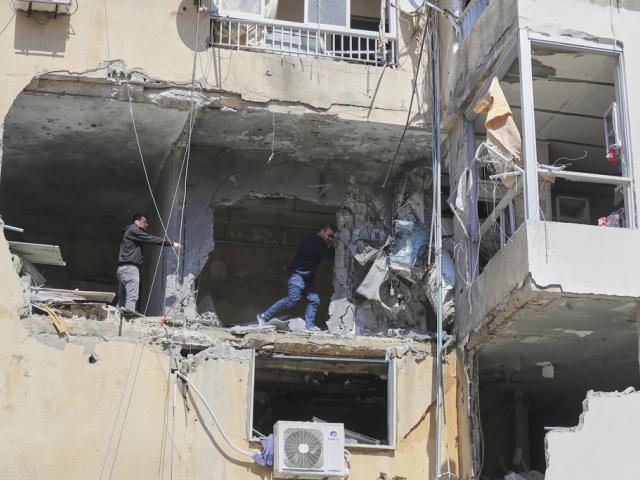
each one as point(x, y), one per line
point(550, 217)
point(352, 31)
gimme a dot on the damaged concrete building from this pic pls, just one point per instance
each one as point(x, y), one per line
point(476, 157)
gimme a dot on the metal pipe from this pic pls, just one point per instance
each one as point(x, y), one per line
point(215, 418)
point(434, 60)
point(14, 229)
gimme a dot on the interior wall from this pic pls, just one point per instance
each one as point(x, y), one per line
point(350, 188)
point(255, 240)
point(290, 10)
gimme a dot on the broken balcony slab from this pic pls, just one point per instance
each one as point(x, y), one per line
point(38, 253)
point(271, 342)
point(548, 270)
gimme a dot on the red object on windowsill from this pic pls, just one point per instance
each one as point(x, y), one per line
point(612, 156)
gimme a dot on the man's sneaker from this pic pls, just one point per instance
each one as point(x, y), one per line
point(261, 320)
point(314, 329)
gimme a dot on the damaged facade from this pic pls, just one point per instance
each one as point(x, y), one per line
point(240, 127)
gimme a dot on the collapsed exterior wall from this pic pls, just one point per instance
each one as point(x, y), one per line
point(102, 403)
point(603, 445)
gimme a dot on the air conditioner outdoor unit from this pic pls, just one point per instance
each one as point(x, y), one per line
point(309, 450)
point(53, 6)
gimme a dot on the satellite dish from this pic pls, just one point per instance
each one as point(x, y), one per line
point(410, 6)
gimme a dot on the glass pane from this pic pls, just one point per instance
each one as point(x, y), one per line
point(328, 12)
point(245, 6)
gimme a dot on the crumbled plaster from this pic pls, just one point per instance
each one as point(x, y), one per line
point(180, 298)
point(224, 351)
point(578, 333)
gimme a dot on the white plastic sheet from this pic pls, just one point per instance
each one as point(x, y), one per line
point(377, 275)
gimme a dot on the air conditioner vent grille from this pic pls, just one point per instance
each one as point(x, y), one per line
point(303, 448)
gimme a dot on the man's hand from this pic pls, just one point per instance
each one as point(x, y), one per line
point(176, 246)
point(334, 243)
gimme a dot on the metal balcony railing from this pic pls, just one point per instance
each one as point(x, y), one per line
point(299, 39)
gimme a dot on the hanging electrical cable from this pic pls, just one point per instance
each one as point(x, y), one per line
point(408, 120)
point(432, 30)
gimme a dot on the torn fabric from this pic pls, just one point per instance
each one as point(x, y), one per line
point(377, 275)
point(266, 457)
point(463, 192)
point(502, 132)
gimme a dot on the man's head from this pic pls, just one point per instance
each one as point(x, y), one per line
point(141, 220)
point(327, 232)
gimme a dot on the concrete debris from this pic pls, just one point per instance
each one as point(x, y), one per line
point(225, 351)
point(401, 351)
point(296, 325)
point(210, 319)
point(174, 321)
point(244, 329)
point(181, 336)
point(341, 317)
point(420, 337)
point(180, 297)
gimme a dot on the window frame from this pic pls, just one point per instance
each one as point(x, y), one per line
point(221, 11)
point(530, 39)
point(326, 25)
point(391, 395)
point(218, 10)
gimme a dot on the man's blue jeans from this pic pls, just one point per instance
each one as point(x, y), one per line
point(297, 287)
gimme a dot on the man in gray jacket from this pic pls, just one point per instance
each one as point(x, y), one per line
point(130, 259)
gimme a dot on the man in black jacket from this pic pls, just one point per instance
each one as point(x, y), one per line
point(130, 259)
point(314, 248)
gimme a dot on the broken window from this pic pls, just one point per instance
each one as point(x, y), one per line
point(491, 189)
point(580, 135)
point(353, 391)
point(255, 240)
point(580, 156)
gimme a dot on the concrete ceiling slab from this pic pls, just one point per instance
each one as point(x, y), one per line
point(586, 339)
point(308, 137)
point(70, 160)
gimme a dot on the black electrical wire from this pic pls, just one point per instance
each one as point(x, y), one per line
point(413, 94)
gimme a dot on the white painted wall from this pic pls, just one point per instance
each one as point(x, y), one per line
point(603, 446)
